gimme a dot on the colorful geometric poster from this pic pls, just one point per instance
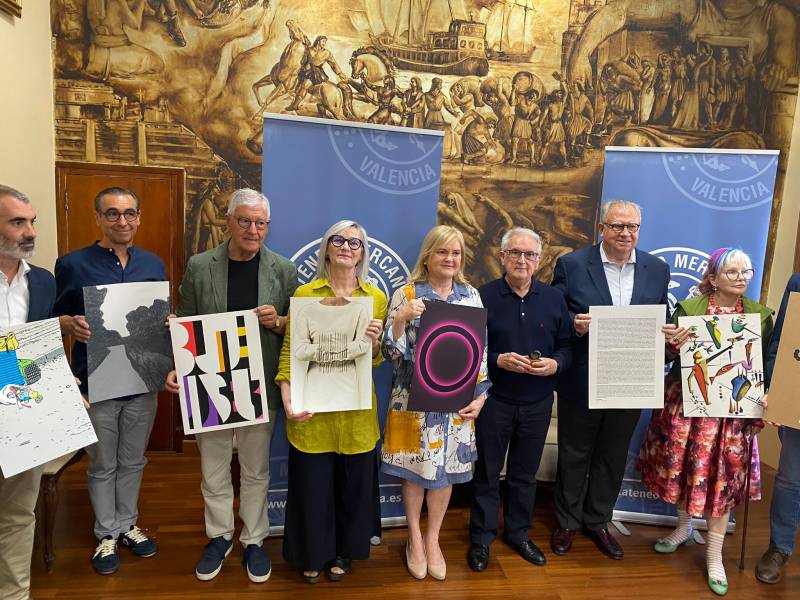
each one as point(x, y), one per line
point(129, 351)
point(450, 346)
point(331, 357)
point(42, 415)
point(219, 370)
point(722, 369)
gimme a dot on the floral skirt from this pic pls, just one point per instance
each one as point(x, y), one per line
point(700, 459)
point(430, 449)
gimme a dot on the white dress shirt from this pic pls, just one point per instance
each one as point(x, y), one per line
point(619, 279)
point(14, 297)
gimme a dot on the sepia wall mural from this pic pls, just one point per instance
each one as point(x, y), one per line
point(528, 92)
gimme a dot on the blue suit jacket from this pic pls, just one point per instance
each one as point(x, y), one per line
point(581, 278)
point(792, 286)
point(42, 294)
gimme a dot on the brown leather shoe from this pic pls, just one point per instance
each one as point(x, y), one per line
point(770, 567)
point(606, 543)
point(561, 540)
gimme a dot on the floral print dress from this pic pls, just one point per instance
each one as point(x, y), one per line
point(701, 460)
point(430, 449)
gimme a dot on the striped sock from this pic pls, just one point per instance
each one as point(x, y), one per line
point(716, 570)
point(682, 532)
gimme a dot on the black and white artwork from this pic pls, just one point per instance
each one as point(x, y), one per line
point(331, 354)
point(129, 351)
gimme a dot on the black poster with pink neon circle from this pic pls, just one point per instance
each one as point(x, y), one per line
point(450, 344)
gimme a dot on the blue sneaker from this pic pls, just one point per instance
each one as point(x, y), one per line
point(106, 556)
point(258, 565)
point(138, 542)
point(211, 562)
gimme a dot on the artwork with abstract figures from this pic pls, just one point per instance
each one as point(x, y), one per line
point(722, 366)
point(42, 416)
point(526, 92)
point(219, 370)
point(450, 347)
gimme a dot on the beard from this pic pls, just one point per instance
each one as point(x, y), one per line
point(12, 248)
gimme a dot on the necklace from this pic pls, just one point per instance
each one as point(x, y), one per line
point(720, 310)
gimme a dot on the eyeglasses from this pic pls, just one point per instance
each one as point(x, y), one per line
point(352, 243)
point(245, 223)
point(112, 215)
point(733, 274)
point(618, 227)
point(529, 255)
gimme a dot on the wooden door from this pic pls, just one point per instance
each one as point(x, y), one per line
point(161, 192)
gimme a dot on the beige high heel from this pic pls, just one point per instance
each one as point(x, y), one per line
point(417, 570)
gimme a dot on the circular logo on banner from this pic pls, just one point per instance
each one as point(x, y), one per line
point(720, 181)
point(686, 268)
point(463, 358)
point(387, 270)
point(401, 164)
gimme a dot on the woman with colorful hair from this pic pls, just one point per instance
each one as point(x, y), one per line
point(700, 463)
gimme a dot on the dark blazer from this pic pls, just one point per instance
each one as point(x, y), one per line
point(792, 286)
point(204, 291)
point(581, 278)
point(42, 293)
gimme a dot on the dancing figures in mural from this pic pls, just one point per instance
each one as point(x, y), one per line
point(699, 73)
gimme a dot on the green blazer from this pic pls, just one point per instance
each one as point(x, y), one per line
point(204, 291)
point(697, 306)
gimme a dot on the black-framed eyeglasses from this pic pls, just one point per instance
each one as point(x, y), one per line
point(619, 227)
point(746, 274)
point(528, 254)
point(112, 215)
point(352, 243)
point(245, 223)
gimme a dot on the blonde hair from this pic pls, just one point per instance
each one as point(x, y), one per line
point(437, 238)
point(323, 262)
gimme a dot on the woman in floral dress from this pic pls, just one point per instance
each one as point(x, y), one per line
point(700, 463)
point(429, 451)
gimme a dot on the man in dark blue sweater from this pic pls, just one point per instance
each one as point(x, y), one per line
point(123, 425)
point(529, 334)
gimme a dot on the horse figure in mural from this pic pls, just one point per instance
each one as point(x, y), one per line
point(374, 65)
point(285, 72)
point(332, 100)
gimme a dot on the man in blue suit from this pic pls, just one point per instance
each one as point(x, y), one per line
point(784, 514)
point(593, 444)
point(27, 293)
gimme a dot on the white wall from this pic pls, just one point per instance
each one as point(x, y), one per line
point(27, 151)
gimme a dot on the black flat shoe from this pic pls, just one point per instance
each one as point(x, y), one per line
point(478, 557)
point(529, 551)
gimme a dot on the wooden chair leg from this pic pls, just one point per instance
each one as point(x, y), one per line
point(50, 492)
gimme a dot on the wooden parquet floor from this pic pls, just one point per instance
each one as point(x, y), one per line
point(171, 509)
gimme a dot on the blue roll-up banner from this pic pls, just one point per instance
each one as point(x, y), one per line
point(319, 171)
point(693, 202)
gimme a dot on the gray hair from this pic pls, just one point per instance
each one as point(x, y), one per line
point(6, 190)
point(607, 206)
point(247, 197)
point(362, 268)
point(517, 232)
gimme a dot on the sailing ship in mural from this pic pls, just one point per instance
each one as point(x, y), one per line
point(413, 42)
point(509, 30)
